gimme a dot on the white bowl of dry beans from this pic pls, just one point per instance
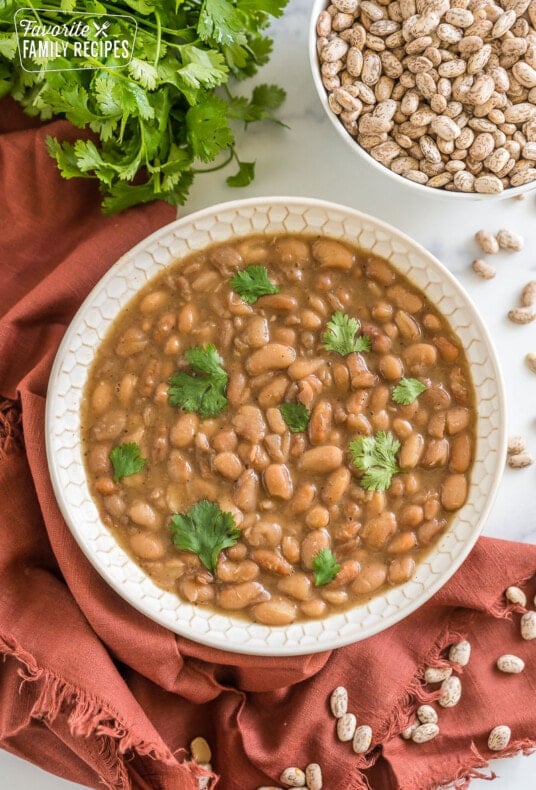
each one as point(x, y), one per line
point(283, 429)
point(433, 93)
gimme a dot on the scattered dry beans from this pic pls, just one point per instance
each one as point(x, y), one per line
point(499, 738)
point(293, 777)
point(522, 315)
point(437, 674)
point(520, 460)
point(484, 269)
point(511, 665)
point(508, 240)
point(362, 739)
point(408, 731)
point(346, 726)
point(528, 294)
point(516, 595)
point(460, 653)
point(427, 715)
point(516, 444)
point(451, 691)
point(487, 241)
point(200, 750)
point(530, 359)
point(425, 732)
point(528, 625)
point(338, 701)
point(313, 777)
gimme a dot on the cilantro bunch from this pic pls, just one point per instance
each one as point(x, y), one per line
point(159, 120)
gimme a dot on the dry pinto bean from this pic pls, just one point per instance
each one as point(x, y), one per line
point(460, 653)
point(293, 777)
point(516, 595)
point(427, 715)
point(451, 691)
point(338, 701)
point(425, 732)
point(499, 738)
point(313, 777)
point(510, 664)
point(528, 625)
point(436, 674)
point(346, 726)
point(314, 541)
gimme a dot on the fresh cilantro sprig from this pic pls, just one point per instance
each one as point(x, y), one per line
point(340, 335)
point(126, 460)
point(156, 120)
point(203, 390)
point(407, 390)
point(252, 282)
point(206, 530)
point(375, 456)
point(325, 567)
point(296, 416)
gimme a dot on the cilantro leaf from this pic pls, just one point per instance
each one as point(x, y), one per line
point(296, 416)
point(126, 460)
point(341, 335)
point(208, 129)
point(376, 457)
point(408, 390)
point(245, 175)
point(220, 21)
point(325, 567)
point(203, 391)
point(252, 282)
point(206, 530)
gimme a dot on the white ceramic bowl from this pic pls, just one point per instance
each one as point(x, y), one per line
point(362, 156)
point(120, 284)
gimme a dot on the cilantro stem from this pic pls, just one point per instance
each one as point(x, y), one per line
point(216, 167)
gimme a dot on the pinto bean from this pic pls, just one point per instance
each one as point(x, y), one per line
point(411, 451)
point(454, 491)
point(272, 561)
point(332, 254)
point(131, 342)
point(273, 393)
point(98, 460)
point(410, 516)
point(257, 332)
point(292, 251)
point(225, 259)
point(461, 450)
point(264, 534)
point(246, 491)
point(228, 465)
point(196, 588)
point(303, 498)
point(225, 441)
point(372, 576)
point(280, 302)
point(419, 358)
point(144, 515)
point(298, 585)
point(237, 390)
point(315, 607)
point(277, 447)
point(377, 531)
point(378, 269)
point(317, 517)
point(236, 572)
point(127, 388)
point(314, 541)
point(320, 422)
point(336, 486)
point(277, 611)
point(321, 460)
point(406, 300)
point(401, 570)
point(101, 397)
point(278, 481)
point(457, 419)
point(436, 453)
point(391, 367)
point(290, 548)
point(406, 325)
point(154, 301)
point(184, 429)
point(238, 596)
point(350, 570)
point(402, 543)
point(436, 424)
point(273, 356)
point(275, 420)
point(249, 423)
point(147, 547)
point(110, 425)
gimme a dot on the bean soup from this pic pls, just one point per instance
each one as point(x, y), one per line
point(279, 427)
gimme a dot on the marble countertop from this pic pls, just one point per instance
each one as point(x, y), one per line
point(310, 159)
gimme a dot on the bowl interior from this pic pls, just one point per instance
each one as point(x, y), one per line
point(364, 156)
point(120, 284)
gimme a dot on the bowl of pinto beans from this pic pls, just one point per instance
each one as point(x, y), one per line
point(289, 431)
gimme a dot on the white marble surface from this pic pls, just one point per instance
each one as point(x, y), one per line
point(309, 158)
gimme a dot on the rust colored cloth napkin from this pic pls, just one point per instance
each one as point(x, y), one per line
point(95, 692)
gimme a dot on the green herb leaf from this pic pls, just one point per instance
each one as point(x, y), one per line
point(296, 416)
point(408, 390)
point(376, 457)
point(252, 282)
point(245, 175)
point(206, 530)
point(203, 391)
point(325, 567)
point(126, 460)
point(341, 335)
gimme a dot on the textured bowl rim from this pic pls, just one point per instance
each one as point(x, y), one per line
point(419, 189)
point(203, 626)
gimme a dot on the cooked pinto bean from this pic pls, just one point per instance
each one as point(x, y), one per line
point(273, 356)
point(321, 459)
point(291, 494)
